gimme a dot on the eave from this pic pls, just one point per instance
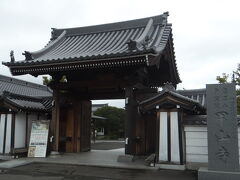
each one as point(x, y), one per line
point(76, 65)
point(164, 99)
point(8, 101)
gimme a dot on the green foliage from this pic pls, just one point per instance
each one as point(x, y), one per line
point(114, 122)
point(223, 79)
point(46, 80)
point(235, 78)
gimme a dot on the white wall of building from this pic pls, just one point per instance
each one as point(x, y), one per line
point(163, 140)
point(20, 130)
point(197, 145)
point(8, 137)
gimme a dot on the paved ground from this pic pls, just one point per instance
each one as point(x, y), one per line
point(95, 165)
point(105, 145)
point(39, 171)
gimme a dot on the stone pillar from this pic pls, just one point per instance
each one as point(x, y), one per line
point(223, 153)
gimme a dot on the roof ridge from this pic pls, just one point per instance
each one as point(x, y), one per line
point(22, 82)
point(134, 23)
point(187, 90)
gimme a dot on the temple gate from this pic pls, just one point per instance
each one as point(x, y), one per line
point(125, 60)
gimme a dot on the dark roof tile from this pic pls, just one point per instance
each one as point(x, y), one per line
point(25, 95)
point(198, 95)
point(103, 41)
point(21, 87)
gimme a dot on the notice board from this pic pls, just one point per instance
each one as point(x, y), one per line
point(38, 139)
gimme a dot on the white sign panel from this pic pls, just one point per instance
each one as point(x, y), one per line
point(38, 139)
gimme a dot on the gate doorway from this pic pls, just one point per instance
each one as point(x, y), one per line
point(74, 126)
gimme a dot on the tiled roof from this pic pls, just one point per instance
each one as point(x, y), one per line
point(159, 98)
point(198, 95)
point(108, 40)
point(24, 95)
point(21, 87)
point(108, 45)
point(27, 103)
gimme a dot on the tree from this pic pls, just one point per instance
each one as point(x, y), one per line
point(114, 122)
point(47, 80)
point(234, 77)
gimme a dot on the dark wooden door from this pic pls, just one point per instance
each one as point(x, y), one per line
point(75, 127)
point(70, 131)
point(85, 126)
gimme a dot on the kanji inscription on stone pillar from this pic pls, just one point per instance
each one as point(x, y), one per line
point(222, 128)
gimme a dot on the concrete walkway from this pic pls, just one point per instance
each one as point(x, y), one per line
point(43, 171)
point(101, 158)
point(93, 165)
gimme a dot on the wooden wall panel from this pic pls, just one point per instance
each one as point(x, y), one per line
point(150, 128)
point(85, 126)
point(70, 131)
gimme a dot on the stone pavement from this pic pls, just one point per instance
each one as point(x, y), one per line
point(101, 158)
point(93, 165)
point(70, 172)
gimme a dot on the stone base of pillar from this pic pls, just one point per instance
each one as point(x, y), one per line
point(205, 174)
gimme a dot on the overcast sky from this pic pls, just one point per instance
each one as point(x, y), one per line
point(206, 33)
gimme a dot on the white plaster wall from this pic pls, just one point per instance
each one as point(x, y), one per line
point(175, 154)
point(163, 140)
point(197, 145)
point(8, 134)
point(20, 130)
point(2, 122)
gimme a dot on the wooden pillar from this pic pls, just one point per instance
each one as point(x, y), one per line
point(5, 134)
point(130, 124)
point(54, 125)
point(26, 131)
point(182, 138)
point(12, 145)
point(145, 125)
point(135, 125)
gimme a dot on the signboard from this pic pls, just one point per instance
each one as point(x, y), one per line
point(38, 139)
